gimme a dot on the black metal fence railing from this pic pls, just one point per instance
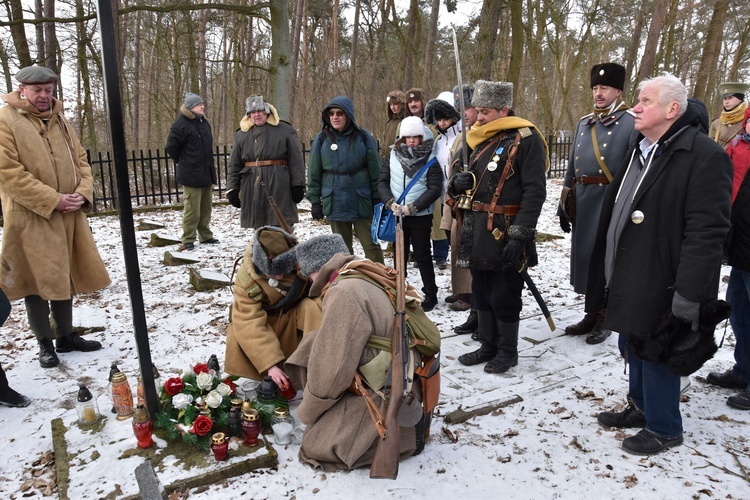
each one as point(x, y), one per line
point(153, 182)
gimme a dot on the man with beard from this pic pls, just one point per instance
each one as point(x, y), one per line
point(599, 145)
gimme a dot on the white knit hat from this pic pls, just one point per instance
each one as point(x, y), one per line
point(412, 126)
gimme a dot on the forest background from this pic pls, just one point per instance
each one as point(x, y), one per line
point(301, 53)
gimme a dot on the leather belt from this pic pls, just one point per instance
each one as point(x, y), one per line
point(478, 206)
point(592, 179)
point(264, 163)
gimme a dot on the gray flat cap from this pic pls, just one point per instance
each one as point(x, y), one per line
point(31, 75)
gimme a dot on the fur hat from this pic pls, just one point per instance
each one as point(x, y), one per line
point(274, 251)
point(609, 74)
point(438, 109)
point(675, 344)
point(256, 103)
point(415, 94)
point(395, 97)
point(496, 95)
point(411, 126)
point(315, 252)
point(468, 94)
point(192, 100)
point(34, 75)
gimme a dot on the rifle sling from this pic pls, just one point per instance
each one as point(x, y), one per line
point(357, 387)
point(501, 183)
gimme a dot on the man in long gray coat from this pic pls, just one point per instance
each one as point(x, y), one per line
point(658, 250)
point(599, 145)
point(266, 160)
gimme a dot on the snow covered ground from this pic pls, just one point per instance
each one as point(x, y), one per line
point(546, 445)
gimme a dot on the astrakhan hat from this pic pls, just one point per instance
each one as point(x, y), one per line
point(256, 103)
point(313, 254)
point(496, 95)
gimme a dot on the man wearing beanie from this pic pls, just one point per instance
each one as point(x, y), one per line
point(357, 317)
point(599, 144)
point(507, 184)
point(729, 124)
point(342, 176)
point(48, 252)
point(191, 145)
point(266, 160)
point(271, 311)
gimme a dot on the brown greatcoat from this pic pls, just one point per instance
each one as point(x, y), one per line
point(45, 252)
point(340, 433)
point(257, 340)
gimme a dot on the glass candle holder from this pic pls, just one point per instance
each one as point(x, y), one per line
point(122, 396)
point(143, 427)
point(282, 424)
point(220, 446)
point(86, 407)
point(250, 427)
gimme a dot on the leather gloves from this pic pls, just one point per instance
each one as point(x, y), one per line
point(564, 224)
point(512, 253)
point(317, 211)
point(234, 198)
point(462, 182)
point(686, 310)
point(298, 192)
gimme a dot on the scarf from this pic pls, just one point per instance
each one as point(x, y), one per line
point(617, 105)
point(730, 117)
point(412, 159)
point(25, 107)
point(478, 135)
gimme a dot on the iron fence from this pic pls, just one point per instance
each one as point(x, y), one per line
point(153, 181)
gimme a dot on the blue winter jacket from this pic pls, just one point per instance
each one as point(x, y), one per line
point(343, 169)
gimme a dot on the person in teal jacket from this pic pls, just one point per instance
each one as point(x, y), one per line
point(342, 176)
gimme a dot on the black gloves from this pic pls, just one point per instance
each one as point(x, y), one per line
point(317, 211)
point(298, 192)
point(512, 254)
point(463, 181)
point(234, 198)
point(564, 224)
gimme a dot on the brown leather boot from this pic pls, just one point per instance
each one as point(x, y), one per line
point(584, 326)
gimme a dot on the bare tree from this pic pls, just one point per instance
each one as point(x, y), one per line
point(709, 58)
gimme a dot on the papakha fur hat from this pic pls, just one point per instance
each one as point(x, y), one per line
point(315, 252)
point(496, 95)
point(256, 103)
point(609, 74)
point(437, 109)
point(274, 251)
point(468, 94)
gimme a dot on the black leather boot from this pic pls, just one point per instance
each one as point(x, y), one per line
point(74, 342)
point(584, 326)
point(47, 355)
point(599, 334)
point(487, 329)
point(507, 348)
point(470, 326)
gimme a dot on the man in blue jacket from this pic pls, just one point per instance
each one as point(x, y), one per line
point(342, 176)
point(190, 144)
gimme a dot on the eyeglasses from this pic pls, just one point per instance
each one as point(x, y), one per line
point(336, 112)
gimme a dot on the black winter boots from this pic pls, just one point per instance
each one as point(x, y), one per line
point(47, 355)
point(487, 332)
point(507, 348)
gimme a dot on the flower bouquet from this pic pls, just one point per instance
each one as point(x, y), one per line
point(195, 404)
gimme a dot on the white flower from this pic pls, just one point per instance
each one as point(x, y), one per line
point(204, 381)
point(187, 371)
point(223, 389)
point(182, 400)
point(213, 399)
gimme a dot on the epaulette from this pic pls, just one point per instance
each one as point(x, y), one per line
point(586, 117)
point(630, 111)
point(251, 287)
point(525, 132)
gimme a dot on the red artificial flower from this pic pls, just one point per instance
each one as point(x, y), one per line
point(201, 368)
point(202, 425)
point(231, 385)
point(173, 386)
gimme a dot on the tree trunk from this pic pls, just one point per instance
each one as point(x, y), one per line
point(648, 61)
point(353, 73)
point(17, 31)
point(711, 50)
point(516, 52)
point(411, 44)
point(280, 68)
point(429, 54)
point(487, 38)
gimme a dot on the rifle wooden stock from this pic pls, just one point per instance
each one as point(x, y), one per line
point(276, 210)
point(385, 462)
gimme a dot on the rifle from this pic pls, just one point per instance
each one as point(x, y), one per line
point(276, 209)
point(385, 462)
